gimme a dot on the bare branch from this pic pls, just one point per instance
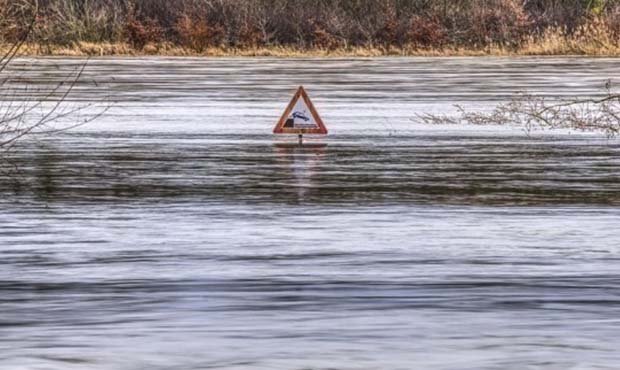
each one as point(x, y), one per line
point(23, 109)
point(531, 112)
point(12, 52)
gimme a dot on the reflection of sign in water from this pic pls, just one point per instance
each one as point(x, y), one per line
point(299, 165)
point(300, 117)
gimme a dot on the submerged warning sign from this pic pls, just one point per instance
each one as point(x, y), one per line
point(300, 117)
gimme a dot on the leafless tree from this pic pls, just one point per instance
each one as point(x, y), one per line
point(28, 107)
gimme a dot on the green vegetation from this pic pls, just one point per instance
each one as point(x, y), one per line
point(372, 27)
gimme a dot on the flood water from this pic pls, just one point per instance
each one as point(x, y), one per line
point(175, 232)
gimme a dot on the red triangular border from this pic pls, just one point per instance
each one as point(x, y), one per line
point(300, 94)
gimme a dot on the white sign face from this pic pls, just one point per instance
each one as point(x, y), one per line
point(301, 116)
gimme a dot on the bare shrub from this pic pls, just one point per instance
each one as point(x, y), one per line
point(29, 107)
point(389, 32)
point(611, 17)
point(535, 112)
point(63, 22)
point(568, 14)
point(19, 17)
point(250, 35)
point(502, 22)
point(139, 32)
point(426, 32)
point(197, 33)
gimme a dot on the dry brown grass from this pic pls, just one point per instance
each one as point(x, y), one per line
point(593, 38)
point(551, 44)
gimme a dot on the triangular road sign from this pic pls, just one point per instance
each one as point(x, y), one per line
point(300, 117)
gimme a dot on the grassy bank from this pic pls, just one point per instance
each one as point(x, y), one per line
point(553, 43)
point(318, 28)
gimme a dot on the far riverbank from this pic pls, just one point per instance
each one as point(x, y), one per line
point(552, 45)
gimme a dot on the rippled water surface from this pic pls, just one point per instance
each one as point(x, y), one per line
point(175, 232)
